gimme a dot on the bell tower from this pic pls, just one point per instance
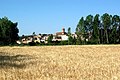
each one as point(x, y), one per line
point(63, 30)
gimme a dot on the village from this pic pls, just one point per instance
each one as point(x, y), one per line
point(43, 38)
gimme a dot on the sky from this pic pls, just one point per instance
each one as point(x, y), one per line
point(50, 16)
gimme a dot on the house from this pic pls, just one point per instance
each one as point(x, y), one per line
point(40, 38)
point(26, 39)
point(60, 36)
point(74, 35)
point(43, 38)
point(29, 38)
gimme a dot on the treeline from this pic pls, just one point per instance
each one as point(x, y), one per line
point(98, 29)
point(8, 32)
point(91, 29)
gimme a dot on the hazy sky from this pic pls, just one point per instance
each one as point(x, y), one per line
point(50, 16)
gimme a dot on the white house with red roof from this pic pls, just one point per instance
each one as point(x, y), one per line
point(60, 36)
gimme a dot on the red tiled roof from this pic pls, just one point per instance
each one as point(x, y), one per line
point(61, 33)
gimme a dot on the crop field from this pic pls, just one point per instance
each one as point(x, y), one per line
point(86, 62)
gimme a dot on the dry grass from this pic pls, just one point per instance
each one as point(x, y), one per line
point(60, 63)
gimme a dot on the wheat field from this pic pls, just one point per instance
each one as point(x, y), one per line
point(88, 62)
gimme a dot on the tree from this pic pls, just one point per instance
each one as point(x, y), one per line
point(96, 24)
point(89, 23)
point(69, 31)
point(80, 31)
point(106, 23)
point(89, 28)
point(8, 31)
point(70, 38)
point(105, 30)
point(115, 26)
point(33, 33)
point(50, 39)
point(119, 30)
